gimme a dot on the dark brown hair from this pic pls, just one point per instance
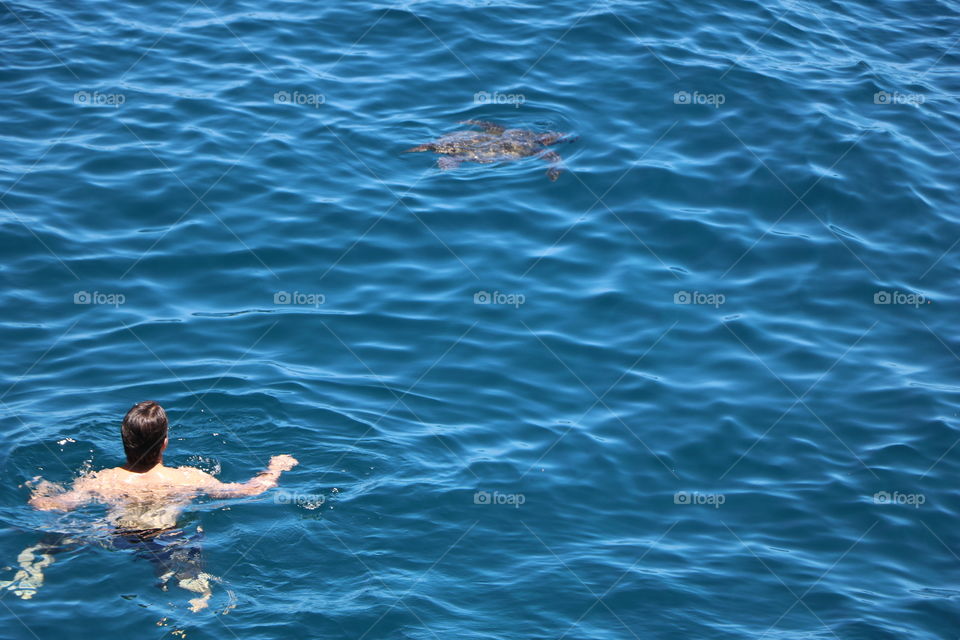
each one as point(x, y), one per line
point(143, 431)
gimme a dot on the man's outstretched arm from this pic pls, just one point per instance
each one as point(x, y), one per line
point(48, 496)
point(254, 486)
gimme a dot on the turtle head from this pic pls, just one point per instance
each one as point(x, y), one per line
point(423, 147)
point(554, 137)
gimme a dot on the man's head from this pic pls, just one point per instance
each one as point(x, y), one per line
point(144, 433)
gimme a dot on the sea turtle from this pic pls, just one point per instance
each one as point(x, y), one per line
point(495, 143)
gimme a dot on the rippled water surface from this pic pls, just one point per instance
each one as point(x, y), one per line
point(704, 385)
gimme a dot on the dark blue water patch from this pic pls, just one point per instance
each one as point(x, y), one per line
point(702, 385)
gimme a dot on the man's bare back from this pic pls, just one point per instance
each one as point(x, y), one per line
point(152, 499)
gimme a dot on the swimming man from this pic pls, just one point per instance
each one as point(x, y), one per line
point(144, 499)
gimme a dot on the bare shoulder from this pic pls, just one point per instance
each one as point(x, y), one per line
point(194, 477)
point(105, 482)
point(96, 480)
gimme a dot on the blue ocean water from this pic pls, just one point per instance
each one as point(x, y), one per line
point(704, 385)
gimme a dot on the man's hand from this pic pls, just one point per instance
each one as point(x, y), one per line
point(283, 462)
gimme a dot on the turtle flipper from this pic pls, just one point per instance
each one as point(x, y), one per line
point(448, 162)
point(489, 127)
point(555, 163)
point(423, 147)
